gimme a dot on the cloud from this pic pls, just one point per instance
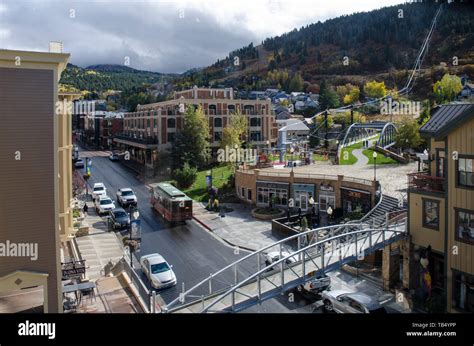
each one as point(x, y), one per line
point(164, 36)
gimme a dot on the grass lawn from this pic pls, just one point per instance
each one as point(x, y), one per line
point(381, 159)
point(198, 191)
point(317, 157)
point(347, 158)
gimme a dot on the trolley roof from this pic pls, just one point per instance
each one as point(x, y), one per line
point(171, 191)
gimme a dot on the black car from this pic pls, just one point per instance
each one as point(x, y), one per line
point(118, 219)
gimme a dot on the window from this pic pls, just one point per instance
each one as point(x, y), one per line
point(255, 122)
point(148, 123)
point(431, 214)
point(171, 136)
point(242, 191)
point(155, 123)
point(171, 123)
point(255, 136)
point(212, 109)
point(440, 161)
point(231, 109)
point(249, 194)
point(465, 226)
point(217, 136)
point(465, 176)
point(463, 292)
point(218, 122)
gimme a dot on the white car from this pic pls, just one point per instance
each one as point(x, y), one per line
point(99, 190)
point(104, 204)
point(158, 271)
point(79, 163)
point(274, 256)
point(342, 301)
point(315, 285)
point(126, 197)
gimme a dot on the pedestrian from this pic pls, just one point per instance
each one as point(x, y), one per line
point(85, 209)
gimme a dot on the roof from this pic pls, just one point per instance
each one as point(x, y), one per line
point(295, 126)
point(447, 118)
point(369, 302)
point(170, 190)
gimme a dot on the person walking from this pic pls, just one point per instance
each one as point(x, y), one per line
point(85, 209)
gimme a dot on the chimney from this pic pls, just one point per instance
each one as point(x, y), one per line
point(55, 47)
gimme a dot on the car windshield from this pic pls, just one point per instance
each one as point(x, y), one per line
point(127, 193)
point(99, 188)
point(105, 201)
point(159, 268)
point(120, 214)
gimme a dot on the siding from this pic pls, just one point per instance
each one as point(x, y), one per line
point(27, 125)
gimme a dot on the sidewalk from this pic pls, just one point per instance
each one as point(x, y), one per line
point(99, 247)
point(237, 228)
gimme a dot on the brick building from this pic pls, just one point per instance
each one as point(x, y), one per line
point(152, 128)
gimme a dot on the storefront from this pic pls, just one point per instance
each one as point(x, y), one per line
point(327, 196)
point(302, 193)
point(353, 199)
point(268, 190)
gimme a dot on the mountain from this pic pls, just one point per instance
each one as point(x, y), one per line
point(100, 78)
point(380, 44)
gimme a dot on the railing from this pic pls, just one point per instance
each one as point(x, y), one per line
point(425, 182)
point(319, 241)
point(358, 180)
point(146, 140)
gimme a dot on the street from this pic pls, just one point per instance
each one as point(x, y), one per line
point(195, 253)
point(192, 250)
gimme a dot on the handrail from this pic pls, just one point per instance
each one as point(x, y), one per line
point(258, 252)
point(273, 264)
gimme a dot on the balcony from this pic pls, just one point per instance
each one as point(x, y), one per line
point(425, 182)
point(145, 143)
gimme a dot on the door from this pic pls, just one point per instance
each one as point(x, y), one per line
point(304, 201)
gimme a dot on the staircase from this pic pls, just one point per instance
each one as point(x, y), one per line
point(378, 215)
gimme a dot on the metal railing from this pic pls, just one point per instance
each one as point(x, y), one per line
point(320, 239)
point(425, 182)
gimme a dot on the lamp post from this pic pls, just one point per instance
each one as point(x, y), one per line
point(374, 155)
point(329, 212)
point(292, 150)
point(133, 213)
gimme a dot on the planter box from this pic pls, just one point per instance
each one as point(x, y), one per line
point(83, 231)
point(267, 217)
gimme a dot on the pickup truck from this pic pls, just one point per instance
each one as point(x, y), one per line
point(315, 285)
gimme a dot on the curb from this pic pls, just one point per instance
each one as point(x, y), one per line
point(224, 240)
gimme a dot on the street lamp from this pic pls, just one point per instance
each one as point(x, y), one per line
point(135, 214)
point(292, 150)
point(329, 212)
point(374, 155)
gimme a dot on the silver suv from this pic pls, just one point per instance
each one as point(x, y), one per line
point(342, 301)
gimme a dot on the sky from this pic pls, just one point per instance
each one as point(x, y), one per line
point(168, 36)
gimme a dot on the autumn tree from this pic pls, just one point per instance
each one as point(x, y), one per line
point(235, 133)
point(375, 89)
point(447, 88)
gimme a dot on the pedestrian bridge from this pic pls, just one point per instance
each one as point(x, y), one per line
point(236, 287)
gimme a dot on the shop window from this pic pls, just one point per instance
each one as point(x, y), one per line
point(465, 226)
point(463, 292)
point(465, 171)
point(431, 214)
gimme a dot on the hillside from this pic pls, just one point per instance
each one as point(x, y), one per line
point(378, 44)
point(100, 78)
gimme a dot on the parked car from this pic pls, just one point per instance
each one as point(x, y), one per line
point(79, 163)
point(104, 204)
point(274, 256)
point(118, 219)
point(126, 197)
point(315, 285)
point(342, 301)
point(114, 157)
point(98, 190)
point(158, 271)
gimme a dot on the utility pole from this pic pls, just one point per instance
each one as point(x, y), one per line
point(327, 129)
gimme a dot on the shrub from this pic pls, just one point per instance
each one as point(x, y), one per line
point(185, 176)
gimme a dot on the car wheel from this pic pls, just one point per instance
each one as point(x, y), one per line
point(328, 306)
